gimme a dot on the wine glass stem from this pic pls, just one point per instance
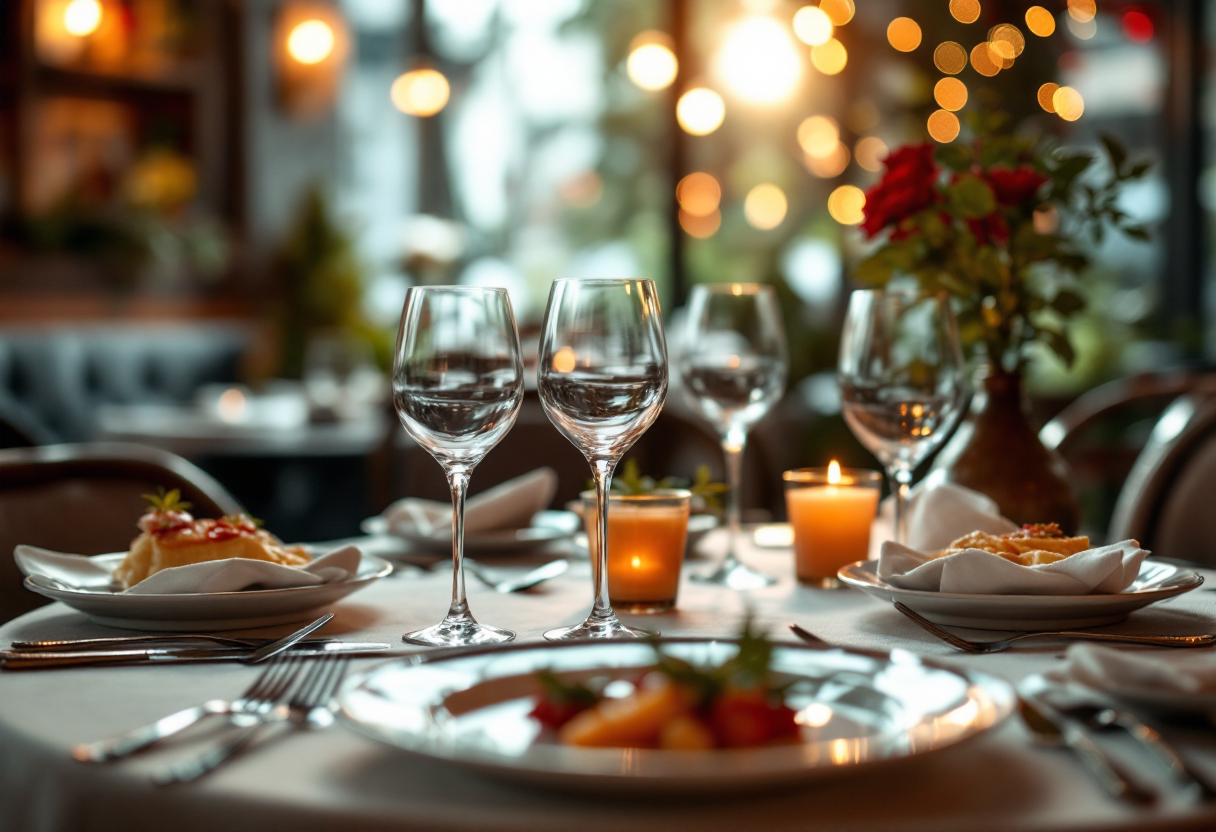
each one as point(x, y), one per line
point(732, 449)
point(458, 480)
point(901, 482)
point(602, 471)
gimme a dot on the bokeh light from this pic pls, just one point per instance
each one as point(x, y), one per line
point(1008, 40)
point(700, 227)
point(870, 152)
point(819, 136)
point(420, 92)
point(840, 11)
point(950, 94)
point(699, 194)
point(651, 64)
point(1082, 29)
point(311, 42)
point(759, 62)
point(903, 33)
point(1040, 21)
point(700, 111)
point(583, 189)
point(1046, 95)
point(965, 11)
point(1046, 219)
point(1082, 11)
point(943, 126)
point(765, 206)
point(950, 58)
point(1138, 26)
point(831, 165)
point(82, 17)
point(847, 204)
point(813, 26)
point(981, 60)
point(830, 58)
point(1068, 103)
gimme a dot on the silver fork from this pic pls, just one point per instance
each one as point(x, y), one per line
point(997, 645)
point(302, 707)
point(146, 736)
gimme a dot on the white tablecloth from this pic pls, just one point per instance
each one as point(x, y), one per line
point(338, 780)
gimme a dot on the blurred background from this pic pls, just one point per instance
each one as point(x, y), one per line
point(210, 210)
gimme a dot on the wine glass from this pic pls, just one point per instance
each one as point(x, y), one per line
point(733, 371)
point(901, 381)
point(458, 382)
point(602, 380)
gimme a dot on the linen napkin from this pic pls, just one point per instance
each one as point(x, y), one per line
point(229, 575)
point(509, 505)
point(1108, 569)
point(1105, 668)
point(940, 513)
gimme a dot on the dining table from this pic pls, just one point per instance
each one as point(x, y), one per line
point(338, 779)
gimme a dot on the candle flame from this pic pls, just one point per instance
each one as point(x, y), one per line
point(636, 562)
point(834, 473)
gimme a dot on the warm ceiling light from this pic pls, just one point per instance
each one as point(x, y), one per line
point(950, 94)
point(831, 165)
point(830, 58)
point(819, 136)
point(699, 194)
point(1046, 97)
point(840, 11)
point(1040, 21)
point(903, 33)
point(759, 62)
point(420, 92)
point(847, 204)
point(943, 126)
point(311, 42)
point(870, 152)
point(950, 58)
point(965, 11)
point(700, 111)
point(700, 227)
point(1068, 103)
point(981, 60)
point(82, 17)
point(1082, 11)
point(765, 207)
point(652, 64)
point(813, 26)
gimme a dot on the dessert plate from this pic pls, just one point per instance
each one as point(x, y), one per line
point(470, 708)
point(205, 611)
point(546, 527)
point(1156, 582)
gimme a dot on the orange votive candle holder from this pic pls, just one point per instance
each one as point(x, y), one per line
point(831, 510)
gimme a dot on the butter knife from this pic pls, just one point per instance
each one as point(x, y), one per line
point(11, 660)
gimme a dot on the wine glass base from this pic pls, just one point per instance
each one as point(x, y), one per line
point(735, 575)
point(459, 631)
point(596, 628)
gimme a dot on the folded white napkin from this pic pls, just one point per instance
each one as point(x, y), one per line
point(940, 513)
point(1105, 668)
point(1109, 569)
point(508, 505)
point(230, 575)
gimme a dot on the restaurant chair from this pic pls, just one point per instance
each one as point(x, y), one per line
point(86, 499)
point(1166, 502)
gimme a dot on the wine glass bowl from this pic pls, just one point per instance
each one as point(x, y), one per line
point(602, 379)
point(457, 389)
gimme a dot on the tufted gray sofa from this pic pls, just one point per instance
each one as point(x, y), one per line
point(54, 377)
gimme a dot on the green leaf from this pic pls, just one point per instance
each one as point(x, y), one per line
point(1067, 302)
point(1136, 232)
point(955, 157)
point(874, 270)
point(1060, 345)
point(1139, 169)
point(971, 197)
point(1116, 151)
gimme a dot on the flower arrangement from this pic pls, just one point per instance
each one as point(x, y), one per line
point(997, 224)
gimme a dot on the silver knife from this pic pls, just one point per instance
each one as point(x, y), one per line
point(276, 647)
point(10, 660)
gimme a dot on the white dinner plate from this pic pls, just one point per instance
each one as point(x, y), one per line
point(1156, 582)
point(546, 527)
point(470, 708)
point(206, 611)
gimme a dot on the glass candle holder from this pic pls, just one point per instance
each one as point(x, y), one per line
point(647, 535)
point(831, 510)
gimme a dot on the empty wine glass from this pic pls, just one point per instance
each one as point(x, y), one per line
point(458, 382)
point(733, 371)
point(901, 381)
point(602, 380)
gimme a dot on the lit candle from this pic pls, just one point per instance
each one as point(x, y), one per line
point(831, 512)
point(647, 534)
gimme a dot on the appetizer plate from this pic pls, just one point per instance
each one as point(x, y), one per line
point(546, 527)
point(206, 611)
point(1156, 582)
point(470, 708)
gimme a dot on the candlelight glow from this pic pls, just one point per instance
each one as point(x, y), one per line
point(1068, 103)
point(950, 94)
point(758, 61)
point(950, 58)
point(651, 63)
point(840, 11)
point(816, 715)
point(700, 111)
point(699, 194)
point(819, 136)
point(765, 207)
point(965, 11)
point(813, 26)
point(311, 42)
point(846, 205)
point(420, 92)
point(943, 126)
point(82, 17)
point(830, 58)
point(564, 360)
point(1040, 21)
point(904, 34)
point(833, 473)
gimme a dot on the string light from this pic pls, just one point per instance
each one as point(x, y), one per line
point(311, 42)
point(950, 94)
point(812, 26)
point(830, 58)
point(943, 126)
point(1046, 96)
point(965, 11)
point(420, 92)
point(840, 11)
point(1008, 40)
point(819, 136)
point(1040, 21)
point(981, 60)
point(1068, 103)
point(903, 33)
point(950, 57)
point(870, 152)
point(700, 111)
point(1082, 11)
point(699, 194)
point(765, 206)
point(652, 64)
point(847, 205)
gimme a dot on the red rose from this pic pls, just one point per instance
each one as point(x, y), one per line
point(1013, 187)
point(905, 188)
point(991, 229)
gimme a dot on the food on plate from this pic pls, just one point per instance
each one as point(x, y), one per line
point(674, 705)
point(170, 536)
point(1031, 545)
